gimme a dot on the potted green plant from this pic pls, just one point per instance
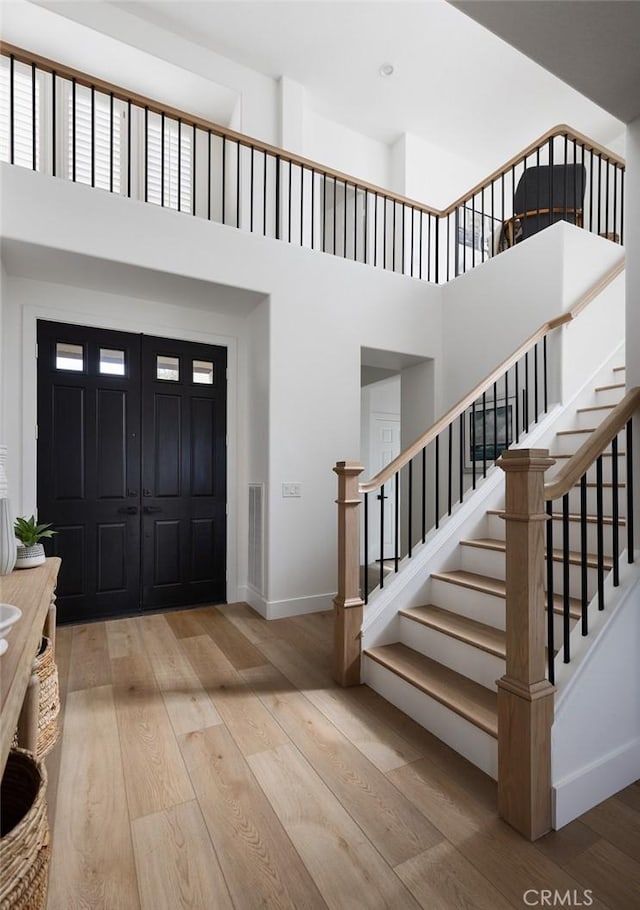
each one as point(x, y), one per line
point(29, 533)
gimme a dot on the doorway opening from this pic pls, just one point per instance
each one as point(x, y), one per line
point(131, 469)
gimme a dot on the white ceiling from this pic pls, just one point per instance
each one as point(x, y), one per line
point(455, 84)
point(595, 46)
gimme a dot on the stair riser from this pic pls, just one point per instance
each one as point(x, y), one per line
point(610, 396)
point(575, 540)
point(476, 605)
point(567, 444)
point(585, 419)
point(466, 602)
point(496, 531)
point(460, 656)
point(471, 742)
point(592, 501)
point(492, 563)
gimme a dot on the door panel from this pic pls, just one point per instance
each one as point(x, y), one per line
point(132, 469)
point(183, 474)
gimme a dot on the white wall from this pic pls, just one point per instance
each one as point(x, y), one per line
point(632, 244)
point(433, 174)
point(592, 761)
point(339, 147)
point(321, 311)
point(492, 309)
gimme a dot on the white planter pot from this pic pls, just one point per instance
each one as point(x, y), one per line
point(30, 556)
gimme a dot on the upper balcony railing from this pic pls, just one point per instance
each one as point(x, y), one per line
point(62, 122)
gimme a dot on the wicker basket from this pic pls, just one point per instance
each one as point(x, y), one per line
point(49, 706)
point(24, 840)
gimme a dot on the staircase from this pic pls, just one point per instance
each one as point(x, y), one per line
point(443, 668)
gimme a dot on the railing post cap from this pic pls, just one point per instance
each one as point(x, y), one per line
point(525, 460)
point(348, 467)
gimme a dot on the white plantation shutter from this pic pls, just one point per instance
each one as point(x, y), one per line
point(171, 165)
point(22, 113)
point(81, 148)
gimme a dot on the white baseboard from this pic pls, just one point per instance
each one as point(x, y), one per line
point(280, 609)
point(594, 783)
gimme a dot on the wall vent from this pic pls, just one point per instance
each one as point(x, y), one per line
point(256, 537)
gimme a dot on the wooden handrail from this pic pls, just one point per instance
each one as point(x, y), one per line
point(368, 486)
point(594, 446)
point(67, 72)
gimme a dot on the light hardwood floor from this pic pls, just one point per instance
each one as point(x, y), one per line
point(208, 761)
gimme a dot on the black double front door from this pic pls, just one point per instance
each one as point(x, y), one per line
point(132, 469)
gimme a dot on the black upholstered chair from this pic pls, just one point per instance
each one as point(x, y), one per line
point(543, 196)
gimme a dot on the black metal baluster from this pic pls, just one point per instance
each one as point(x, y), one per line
point(393, 238)
point(473, 445)
point(179, 165)
point(526, 392)
point(412, 222)
point(450, 471)
point(630, 541)
point(600, 532)
point(566, 149)
point(264, 198)
point(73, 135)
point(622, 207)
point(550, 601)
point(420, 241)
point(473, 232)
point(495, 421)
point(375, 230)
point(93, 136)
point(599, 188)
point(129, 149)
point(366, 548)
point(517, 435)
point(366, 224)
point(566, 616)
point(162, 154)
point(396, 520)
point(53, 122)
point(301, 205)
point(461, 455)
point(615, 542)
point(615, 200)
point(402, 246)
point(535, 381)
point(252, 166)
point(334, 215)
point(584, 568)
point(34, 143)
point(324, 213)
point(237, 184)
point(591, 190)
point(289, 203)
point(224, 175)
point(424, 494)
point(508, 420)
point(111, 143)
point(209, 180)
point(355, 222)
point(382, 536)
point(484, 434)
point(344, 231)
point(409, 508)
point(12, 127)
point(493, 222)
point(384, 234)
point(546, 374)
point(313, 206)
point(437, 489)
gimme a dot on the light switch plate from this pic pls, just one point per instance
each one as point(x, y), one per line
point(291, 490)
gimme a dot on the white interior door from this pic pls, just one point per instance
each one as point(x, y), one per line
point(384, 447)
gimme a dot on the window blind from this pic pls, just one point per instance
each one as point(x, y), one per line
point(23, 81)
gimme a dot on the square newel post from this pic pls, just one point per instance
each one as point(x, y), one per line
point(348, 605)
point(525, 696)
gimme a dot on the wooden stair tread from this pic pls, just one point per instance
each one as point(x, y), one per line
point(604, 455)
point(576, 432)
point(573, 516)
point(608, 388)
point(619, 369)
point(475, 633)
point(465, 697)
point(499, 546)
point(596, 407)
point(485, 584)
